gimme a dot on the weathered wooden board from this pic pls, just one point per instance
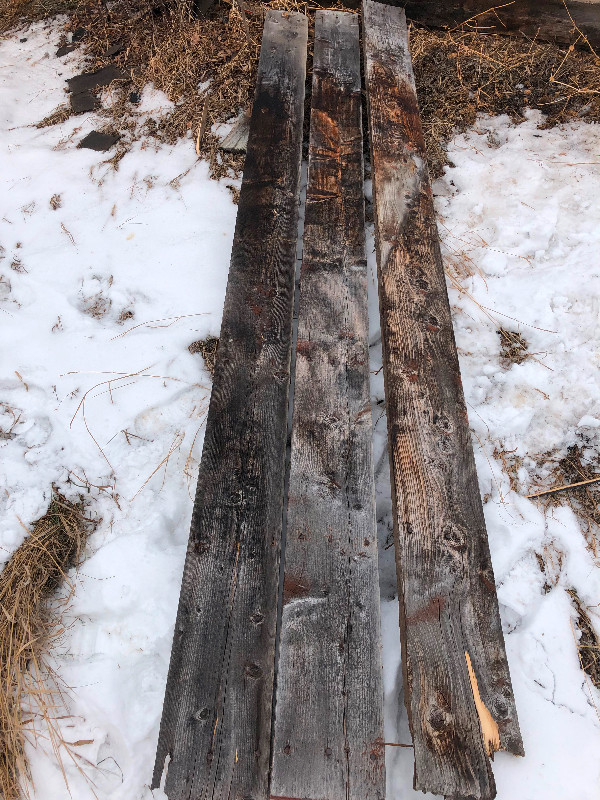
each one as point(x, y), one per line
point(236, 140)
point(328, 714)
point(216, 724)
point(545, 20)
point(448, 607)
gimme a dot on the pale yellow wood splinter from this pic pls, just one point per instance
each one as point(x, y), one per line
point(489, 726)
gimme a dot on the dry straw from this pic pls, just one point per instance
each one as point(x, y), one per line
point(29, 691)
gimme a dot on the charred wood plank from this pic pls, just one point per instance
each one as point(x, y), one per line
point(216, 723)
point(458, 691)
point(328, 714)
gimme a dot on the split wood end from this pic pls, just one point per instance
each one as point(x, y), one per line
point(489, 726)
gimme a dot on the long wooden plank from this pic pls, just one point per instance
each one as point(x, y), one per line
point(542, 20)
point(328, 714)
point(545, 20)
point(448, 607)
point(216, 724)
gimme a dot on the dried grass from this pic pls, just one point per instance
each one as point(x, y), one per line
point(513, 347)
point(588, 646)
point(208, 350)
point(12, 12)
point(207, 67)
point(28, 690)
point(580, 463)
point(462, 73)
point(59, 115)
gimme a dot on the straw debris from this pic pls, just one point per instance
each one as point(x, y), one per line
point(513, 347)
point(208, 350)
point(27, 630)
point(589, 643)
point(462, 73)
point(580, 463)
point(206, 65)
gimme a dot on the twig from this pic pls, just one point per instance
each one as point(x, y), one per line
point(481, 14)
point(566, 486)
point(395, 744)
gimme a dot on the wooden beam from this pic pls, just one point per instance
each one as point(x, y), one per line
point(544, 20)
point(216, 724)
point(328, 714)
point(449, 615)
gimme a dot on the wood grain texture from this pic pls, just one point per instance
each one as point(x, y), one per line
point(216, 724)
point(328, 715)
point(448, 604)
point(545, 20)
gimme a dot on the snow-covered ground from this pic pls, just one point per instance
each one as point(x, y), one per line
point(100, 297)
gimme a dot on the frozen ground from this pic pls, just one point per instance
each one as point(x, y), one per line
point(100, 298)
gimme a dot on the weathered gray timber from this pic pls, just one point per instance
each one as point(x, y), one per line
point(236, 140)
point(328, 715)
point(457, 684)
point(216, 724)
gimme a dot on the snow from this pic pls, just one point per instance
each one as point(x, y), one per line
point(91, 401)
point(99, 395)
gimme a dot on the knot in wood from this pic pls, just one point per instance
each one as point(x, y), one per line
point(253, 671)
point(455, 537)
point(442, 422)
point(439, 720)
point(201, 715)
point(432, 323)
point(200, 546)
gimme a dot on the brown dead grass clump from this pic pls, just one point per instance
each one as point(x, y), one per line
point(205, 65)
point(61, 114)
point(581, 463)
point(588, 646)
point(513, 347)
point(208, 350)
point(13, 11)
point(462, 73)
point(27, 583)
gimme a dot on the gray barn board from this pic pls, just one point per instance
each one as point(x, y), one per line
point(216, 723)
point(457, 685)
point(328, 714)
